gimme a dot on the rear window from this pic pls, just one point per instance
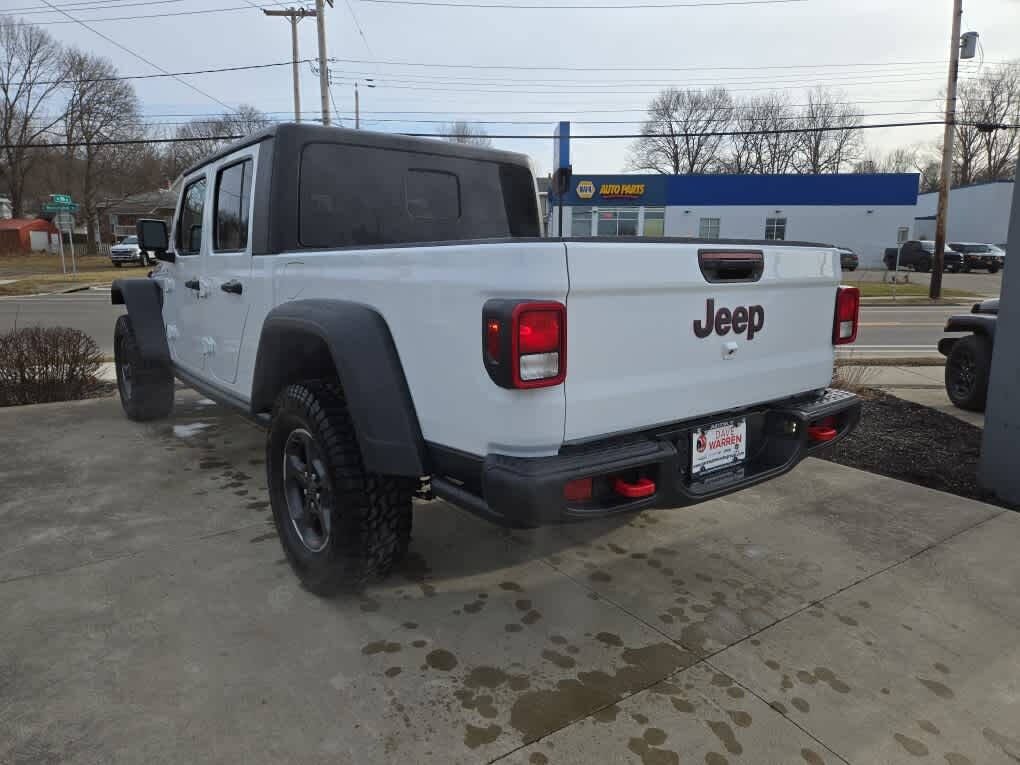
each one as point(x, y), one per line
point(363, 196)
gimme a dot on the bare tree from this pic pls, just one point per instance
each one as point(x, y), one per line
point(31, 73)
point(1000, 93)
point(832, 136)
point(763, 146)
point(464, 132)
point(900, 160)
point(675, 136)
point(203, 137)
point(966, 136)
point(100, 109)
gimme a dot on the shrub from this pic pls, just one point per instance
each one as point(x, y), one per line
point(853, 378)
point(40, 364)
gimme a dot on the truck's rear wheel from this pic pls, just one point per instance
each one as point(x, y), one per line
point(146, 388)
point(339, 524)
point(967, 371)
point(924, 265)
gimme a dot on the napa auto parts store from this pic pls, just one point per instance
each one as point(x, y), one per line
point(866, 213)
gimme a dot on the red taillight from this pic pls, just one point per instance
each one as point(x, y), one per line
point(539, 344)
point(493, 339)
point(578, 490)
point(848, 307)
point(538, 331)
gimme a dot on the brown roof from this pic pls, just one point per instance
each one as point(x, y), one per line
point(16, 224)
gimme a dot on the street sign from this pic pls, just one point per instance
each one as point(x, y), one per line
point(61, 199)
point(57, 207)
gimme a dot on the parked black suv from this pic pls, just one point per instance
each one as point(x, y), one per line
point(919, 255)
point(969, 358)
point(977, 255)
point(848, 259)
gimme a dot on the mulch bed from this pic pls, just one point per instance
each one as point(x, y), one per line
point(913, 443)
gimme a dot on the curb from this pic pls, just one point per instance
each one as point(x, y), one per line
point(909, 302)
point(902, 361)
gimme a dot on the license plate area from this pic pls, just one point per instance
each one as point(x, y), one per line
point(717, 446)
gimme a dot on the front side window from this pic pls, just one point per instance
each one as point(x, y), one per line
point(775, 228)
point(233, 195)
point(580, 221)
point(618, 221)
point(655, 221)
point(708, 228)
point(189, 226)
point(902, 233)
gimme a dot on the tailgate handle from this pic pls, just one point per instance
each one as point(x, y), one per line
point(731, 265)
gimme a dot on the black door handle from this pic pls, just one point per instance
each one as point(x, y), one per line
point(233, 286)
point(191, 284)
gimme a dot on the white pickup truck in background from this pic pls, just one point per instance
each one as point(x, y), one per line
point(387, 308)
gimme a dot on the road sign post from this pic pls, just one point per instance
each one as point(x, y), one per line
point(63, 209)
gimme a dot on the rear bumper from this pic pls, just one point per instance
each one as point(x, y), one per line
point(530, 491)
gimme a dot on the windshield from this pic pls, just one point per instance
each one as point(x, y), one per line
point(129, 240)
point(971, 247)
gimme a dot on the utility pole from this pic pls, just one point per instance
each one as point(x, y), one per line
point(357, 101)
point(320, 18)
point(935, 288)
point(294, 15)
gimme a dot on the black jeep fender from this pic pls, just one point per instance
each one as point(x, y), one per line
point(303, 339)
point(976, 323)
point(144, 301)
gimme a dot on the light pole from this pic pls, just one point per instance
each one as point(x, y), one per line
point(323, 70)
point(357, 102)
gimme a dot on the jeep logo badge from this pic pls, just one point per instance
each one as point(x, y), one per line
point(750, 320)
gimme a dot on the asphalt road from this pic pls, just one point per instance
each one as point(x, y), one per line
point(89, 311)
point(884, 332)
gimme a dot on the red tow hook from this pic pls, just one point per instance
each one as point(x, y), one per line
point(823, 431)
point(643, 487)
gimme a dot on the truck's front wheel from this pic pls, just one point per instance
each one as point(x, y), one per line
point(146, 388)
point(339, 524)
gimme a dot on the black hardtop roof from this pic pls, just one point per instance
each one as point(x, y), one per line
point(300, 133)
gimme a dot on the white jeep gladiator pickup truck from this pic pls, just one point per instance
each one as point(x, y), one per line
point(387, 308)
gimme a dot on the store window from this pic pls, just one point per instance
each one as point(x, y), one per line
point(775, 228)
point(708, 228)
point(655, 221)
point(580, 221)
point(618, 221)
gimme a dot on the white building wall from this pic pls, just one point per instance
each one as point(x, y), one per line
point(865, 230)
point(976, 213)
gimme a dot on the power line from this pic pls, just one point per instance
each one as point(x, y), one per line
point(138, 56)
point(601, 136)
point(514, 6)
point(217, 70)
point(86, 6)
point(199, 12)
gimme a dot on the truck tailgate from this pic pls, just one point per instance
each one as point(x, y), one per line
point(636, 309)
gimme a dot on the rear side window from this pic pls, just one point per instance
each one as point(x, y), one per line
point(233, 194)
point(363, 196)
point(189, 225)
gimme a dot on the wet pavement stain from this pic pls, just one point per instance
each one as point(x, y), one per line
point(1010, 746)
point(655, 736)
point(929, 727)
point(779, 707)
point(380, 646)
point(940, 690)
point(522, 605)
point(683, 705)
point(714, 758)
point(263, 537)
point(537, 712)
point(811, 757)
point(800, 704)
point(827, 676)
point(561, 661)
point(939, 666)
point(651, 755)
point(558, 640)
point(513, 627)
point(607, 714)
point(639, 718)
point(369, 605)
point(911, 745)
point(531, 617)
point(735, 692)
point(441, 659)
point(475, 737)
point(474, 607)
point(847, 620)
point(410, 625)
point(420, 643)
point(725, 734)
point(955, 758)
point(393, 672)
point(537, 758)
point(806, 677)
point(600, 576)
point(510, 587)
point(740, 718)
point(486, 677)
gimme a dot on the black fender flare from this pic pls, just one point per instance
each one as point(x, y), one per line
point(365, 358)
point(978, 323)
point(144, 301)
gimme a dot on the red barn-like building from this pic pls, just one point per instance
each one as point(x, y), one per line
point(26, 235)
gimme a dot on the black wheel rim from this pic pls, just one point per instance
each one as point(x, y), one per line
point(125, 375)
point(307, 489)
point(962, 374)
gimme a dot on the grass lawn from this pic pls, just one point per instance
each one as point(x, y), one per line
point(42, 273)
point(882, 289)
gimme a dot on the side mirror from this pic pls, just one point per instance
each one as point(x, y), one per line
point(152, 236)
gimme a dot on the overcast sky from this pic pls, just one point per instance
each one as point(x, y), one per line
point(845, 45)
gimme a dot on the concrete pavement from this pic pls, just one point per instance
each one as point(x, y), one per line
point(922, 385)
point(829, 616)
